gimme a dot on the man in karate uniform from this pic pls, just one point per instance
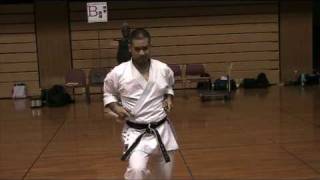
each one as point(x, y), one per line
point(144, 86)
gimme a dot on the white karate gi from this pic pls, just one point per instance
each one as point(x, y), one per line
point(144, 99)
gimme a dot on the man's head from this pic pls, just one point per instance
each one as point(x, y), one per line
point(140, 44)
point(125, 30)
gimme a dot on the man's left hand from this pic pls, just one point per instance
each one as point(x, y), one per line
point(167, 103)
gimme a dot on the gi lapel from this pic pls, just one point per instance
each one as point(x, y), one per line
point(147, 85)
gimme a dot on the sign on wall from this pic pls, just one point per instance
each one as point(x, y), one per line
point(97, 12)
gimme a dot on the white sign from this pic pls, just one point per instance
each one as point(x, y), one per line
point(97, 12)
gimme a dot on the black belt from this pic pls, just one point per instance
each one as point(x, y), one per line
point(150, 128)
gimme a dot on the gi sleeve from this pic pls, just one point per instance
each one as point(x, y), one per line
point(170, 81)
point(110, 88)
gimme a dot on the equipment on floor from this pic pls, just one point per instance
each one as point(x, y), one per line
point(224, 93)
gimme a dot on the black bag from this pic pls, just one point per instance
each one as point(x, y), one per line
point(204, 85)
point(249, 83)
point(312, 79)
point(262, 81)
point(44, 96)
point(57, 96)
point(223, 84)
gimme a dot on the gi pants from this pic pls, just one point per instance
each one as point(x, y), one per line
point(149, 166)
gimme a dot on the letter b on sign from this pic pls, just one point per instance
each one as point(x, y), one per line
point(97, 12)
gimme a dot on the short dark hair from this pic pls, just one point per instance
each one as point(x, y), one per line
point(139, 33)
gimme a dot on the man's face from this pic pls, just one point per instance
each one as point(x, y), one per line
point(140, 50)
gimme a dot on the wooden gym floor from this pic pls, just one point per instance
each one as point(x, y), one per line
point(261, 134)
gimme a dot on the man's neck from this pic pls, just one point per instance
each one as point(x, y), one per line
point(143, 67)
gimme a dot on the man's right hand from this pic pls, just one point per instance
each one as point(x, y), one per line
point(119, 110)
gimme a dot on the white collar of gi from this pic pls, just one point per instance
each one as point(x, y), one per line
point(139, 77)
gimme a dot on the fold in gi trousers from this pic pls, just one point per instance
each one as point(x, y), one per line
point(149, 166)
